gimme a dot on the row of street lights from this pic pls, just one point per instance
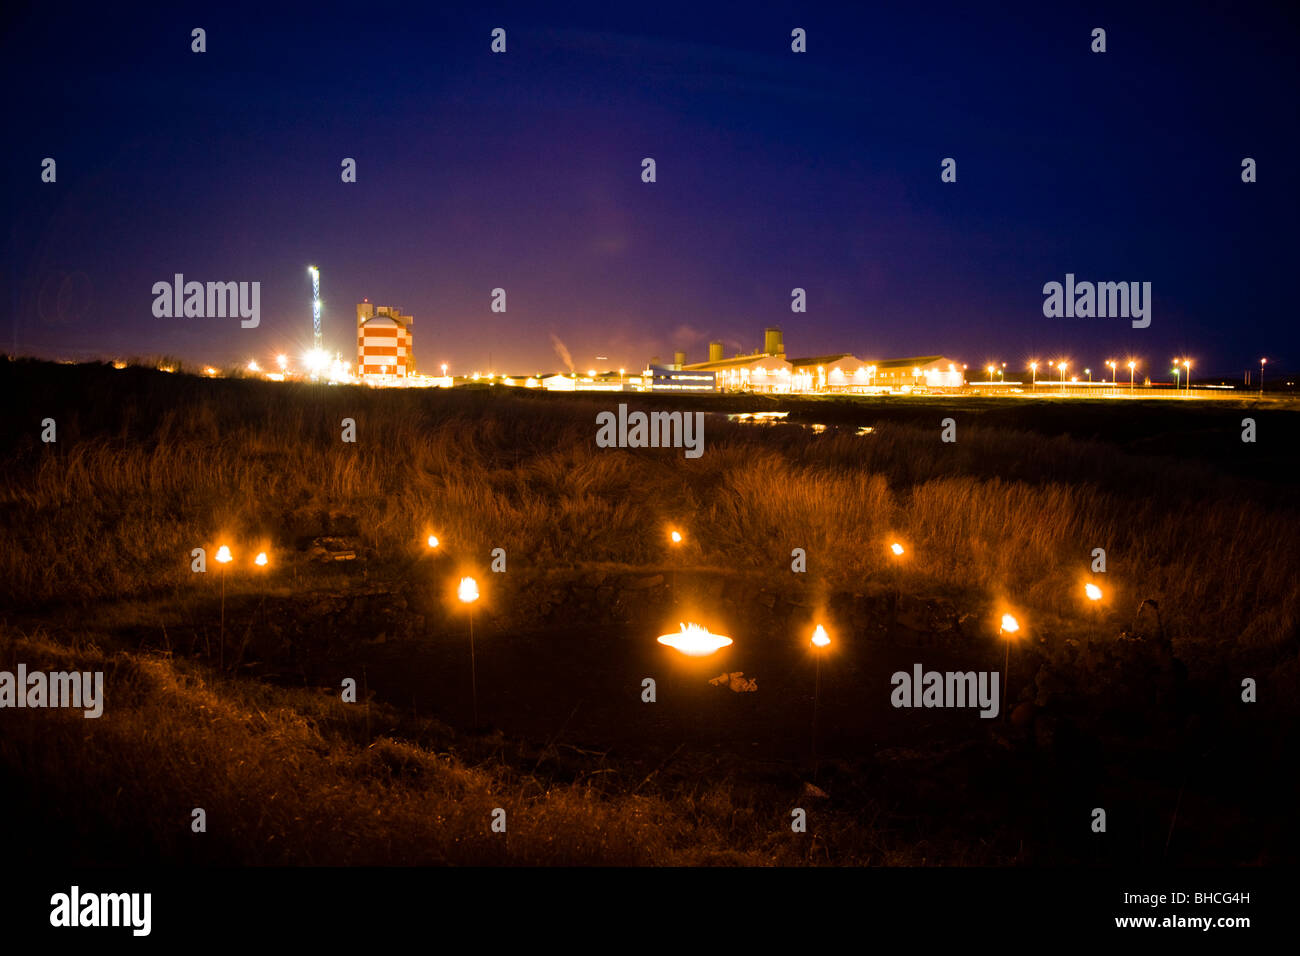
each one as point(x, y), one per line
point(1062, 366)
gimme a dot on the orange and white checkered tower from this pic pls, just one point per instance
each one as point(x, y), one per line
point(383, 341)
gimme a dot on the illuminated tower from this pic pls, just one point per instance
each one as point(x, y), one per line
point(315, 307)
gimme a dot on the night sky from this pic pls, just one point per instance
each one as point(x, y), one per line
point(775, 170)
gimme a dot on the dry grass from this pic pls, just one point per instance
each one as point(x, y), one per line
point(288, 777)
point(147, 468)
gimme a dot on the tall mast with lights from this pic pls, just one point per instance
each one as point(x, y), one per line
point(315, 306)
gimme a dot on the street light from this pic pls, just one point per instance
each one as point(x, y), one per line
point(990, 371)
point(1187, 364)
point(1033, 367)
point(1111, 364)
point(1178, 376)
point(1089, 372)
point(1262, 363)
point(1131, 365)
point(1061, 367)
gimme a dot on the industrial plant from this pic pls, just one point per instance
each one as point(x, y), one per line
point(770, 370)
point(385, 357)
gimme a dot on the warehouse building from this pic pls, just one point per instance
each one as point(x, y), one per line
point(929, 371)
point(770, 371)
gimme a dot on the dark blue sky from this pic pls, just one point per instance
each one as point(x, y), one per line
point(775, 170)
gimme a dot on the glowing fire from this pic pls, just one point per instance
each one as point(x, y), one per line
point(1010, 624)
point(260, 560)
point(223, 555)
point(695, 641)
point(1093, 592)
point(468, 590)
point(896, 548)
point(820, 637)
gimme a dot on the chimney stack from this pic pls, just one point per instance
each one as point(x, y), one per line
point(772, 342)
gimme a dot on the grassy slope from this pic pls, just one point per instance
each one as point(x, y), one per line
point(287, 777)
point(149, 466)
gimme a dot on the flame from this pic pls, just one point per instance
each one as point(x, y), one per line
point(468, 590)
point(433, 541)
point(260, 560)
point(1093, 592)
point(820, 638)
point(223, 555)
point(1010, 624)
point(695, 641)
point(896, 548)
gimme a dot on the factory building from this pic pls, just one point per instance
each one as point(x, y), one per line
point(823, 373)
point(658, 378)
point(770, 371)
point(383, 341)
point(930, 371)
point(765, 371)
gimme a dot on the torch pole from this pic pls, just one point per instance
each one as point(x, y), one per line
point(1006, 677)
point(473, 674)
point(221, 640)
point(817, 690)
